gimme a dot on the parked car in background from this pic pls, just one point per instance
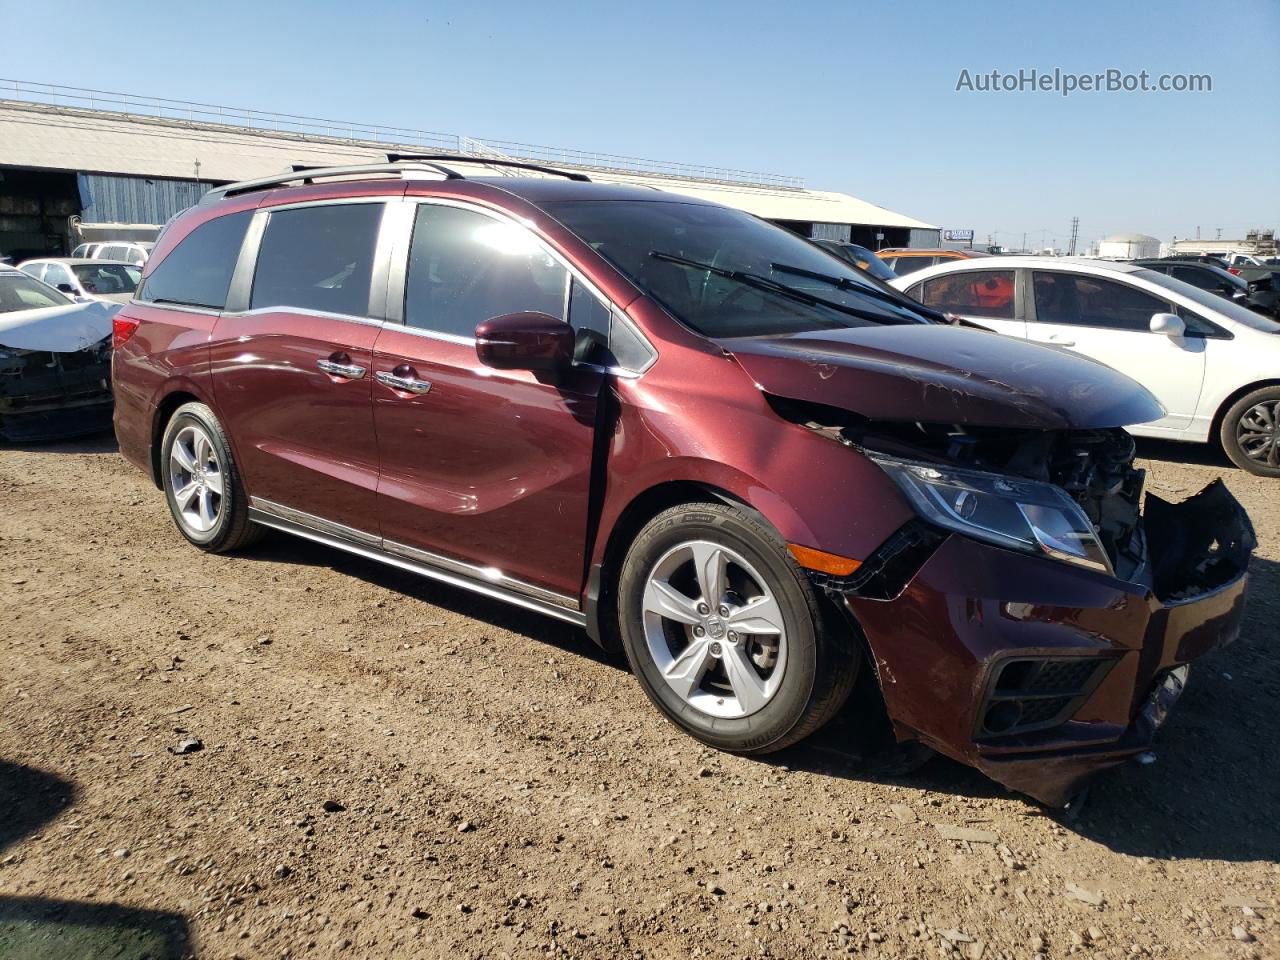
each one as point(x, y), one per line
point(1209, 258)
point(55, 361)
point(1212, 363)
point(1260, 297)
point(86, 249)
point(122, 251)
point(860, 257)
point(904, 260)
point(87, 279)
point(711, 444)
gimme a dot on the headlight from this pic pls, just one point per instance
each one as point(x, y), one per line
point(1025, 515)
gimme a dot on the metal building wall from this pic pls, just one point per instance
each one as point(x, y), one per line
point(121, 199)
point(925, 238)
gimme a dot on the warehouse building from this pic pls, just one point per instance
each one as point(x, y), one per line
point(79, 165)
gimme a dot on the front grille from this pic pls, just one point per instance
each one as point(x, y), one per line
point(1036, 693)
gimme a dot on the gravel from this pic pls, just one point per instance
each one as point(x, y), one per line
point(600, 831)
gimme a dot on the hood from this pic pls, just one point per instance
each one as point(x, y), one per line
point(76, 326)
point(942, 374)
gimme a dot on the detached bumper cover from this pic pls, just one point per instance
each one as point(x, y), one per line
point(972, 608)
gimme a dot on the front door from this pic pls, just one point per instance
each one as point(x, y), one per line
point(488, 467)
point(291, 374)
point(1110, 321)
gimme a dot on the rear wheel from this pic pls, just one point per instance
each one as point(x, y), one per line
point(201, 483)
point(725, 632)
point(1250, 432)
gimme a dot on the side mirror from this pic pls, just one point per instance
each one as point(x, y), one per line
point(525, 341)
point(1169, 324)
point(67, 288)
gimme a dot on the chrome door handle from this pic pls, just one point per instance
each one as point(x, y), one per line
point(407, 384)
point(352, 371)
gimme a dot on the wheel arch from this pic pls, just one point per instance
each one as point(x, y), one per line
point(164, 411)
point(1215, 430)
point(601, 593)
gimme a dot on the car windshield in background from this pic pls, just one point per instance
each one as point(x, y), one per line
point(20, 292)
point(1211, 301)
point(720, 271)
point(107, 277)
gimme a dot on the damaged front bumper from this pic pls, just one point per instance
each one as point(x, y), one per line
point(53, 396)
point(1039, 673)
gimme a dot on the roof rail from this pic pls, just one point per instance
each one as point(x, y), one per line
point(489, 162)
point(305, 174)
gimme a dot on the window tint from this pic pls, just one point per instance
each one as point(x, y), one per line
point(1093, 302)
point(974, 293)
point(904, 265)
point(198, 270)
point(318, 258)
point(465, 268)
point(590, 320)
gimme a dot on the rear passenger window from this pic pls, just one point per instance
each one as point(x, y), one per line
point(318, 258)
point(197, 272)
point(465, 267)
point(972, 293)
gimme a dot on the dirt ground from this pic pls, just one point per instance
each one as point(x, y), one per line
point(392, 768)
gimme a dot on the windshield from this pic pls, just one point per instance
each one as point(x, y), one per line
point(107, 277)
point(1212, 302)
point(686, 256)
point(20, 292)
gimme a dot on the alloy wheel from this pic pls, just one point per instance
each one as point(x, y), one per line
point(1258, 432)
point(196, 479)
point(714, 629)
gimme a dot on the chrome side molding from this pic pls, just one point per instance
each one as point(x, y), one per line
point(488, 581)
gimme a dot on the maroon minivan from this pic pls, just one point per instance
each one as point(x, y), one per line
point(702, 438)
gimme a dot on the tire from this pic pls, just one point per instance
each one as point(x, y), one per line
point(800, 674)
point(1252, 425)
point(209, 505)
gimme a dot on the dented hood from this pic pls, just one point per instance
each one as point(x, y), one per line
point(77, 326)
point(942, 374)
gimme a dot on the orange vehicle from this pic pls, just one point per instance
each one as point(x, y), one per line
point(904, 260)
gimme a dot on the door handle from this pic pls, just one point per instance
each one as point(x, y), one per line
point(407, 384)
point(352, 371)
point(1061, 341)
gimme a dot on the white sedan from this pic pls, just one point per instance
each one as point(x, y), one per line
point(1214, 365)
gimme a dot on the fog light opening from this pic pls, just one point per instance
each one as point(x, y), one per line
point(1002, 716)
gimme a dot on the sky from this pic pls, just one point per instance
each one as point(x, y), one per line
point(860, 98)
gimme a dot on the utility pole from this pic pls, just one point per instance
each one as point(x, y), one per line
point(1075, 233)
point(1219, 236)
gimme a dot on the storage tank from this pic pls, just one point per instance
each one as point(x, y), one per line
point(1128, 246)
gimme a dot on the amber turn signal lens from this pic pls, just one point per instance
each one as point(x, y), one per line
point(823, 562)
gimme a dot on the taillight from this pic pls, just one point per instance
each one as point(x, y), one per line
point(1234, 271)
point(122, 328)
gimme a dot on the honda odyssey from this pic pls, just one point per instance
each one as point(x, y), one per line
point(705, 440)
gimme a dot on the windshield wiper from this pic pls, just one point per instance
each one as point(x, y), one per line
point(853, 286)
point(773, 286)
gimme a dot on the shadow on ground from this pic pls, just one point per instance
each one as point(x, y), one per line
point(41, 928)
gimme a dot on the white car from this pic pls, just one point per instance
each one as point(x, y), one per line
point(110, 280)
point(124, 251)
point(1214, 365)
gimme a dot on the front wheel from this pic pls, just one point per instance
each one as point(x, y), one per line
point(1250, 432)
point(726, 634)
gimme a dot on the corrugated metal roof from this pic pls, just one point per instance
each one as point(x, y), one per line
point(94, 141)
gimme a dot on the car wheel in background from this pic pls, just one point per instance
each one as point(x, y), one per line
point(725, 632)
point(201, 483)
point(1250, 432)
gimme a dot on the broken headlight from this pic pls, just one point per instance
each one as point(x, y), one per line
point(1024, 515)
